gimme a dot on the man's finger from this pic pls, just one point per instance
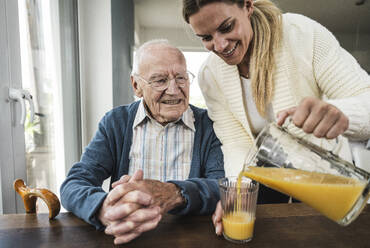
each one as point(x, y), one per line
point(144, 214)
point(125, 238)
point(138, 175)
point(121, 227)
point(137, 196)
point(127, 225)
point(119, 191)
point(123, 179)
point(149, 225)
point(121, 211)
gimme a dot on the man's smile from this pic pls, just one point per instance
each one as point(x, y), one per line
point(171, 102)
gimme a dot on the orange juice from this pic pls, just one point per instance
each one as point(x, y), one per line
point(238, 225)
point(331, 195)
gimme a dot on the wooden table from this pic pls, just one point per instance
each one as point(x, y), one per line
point(277, 225)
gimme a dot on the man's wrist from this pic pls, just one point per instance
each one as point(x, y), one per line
point(179, 198)
point(180, 193)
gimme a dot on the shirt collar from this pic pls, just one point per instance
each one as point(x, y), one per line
point(187, 117)
point(140, 114)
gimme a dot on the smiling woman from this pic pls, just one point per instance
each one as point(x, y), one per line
point(266, 66)
point(253, 66)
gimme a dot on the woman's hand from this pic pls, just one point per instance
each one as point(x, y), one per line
point(217, 218)
point(316, 116)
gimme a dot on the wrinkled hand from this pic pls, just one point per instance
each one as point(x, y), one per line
point(137, 214)
point(126, 211)
point(316, 116)
point(122, 202)
point(165, 195)
point(217, 219)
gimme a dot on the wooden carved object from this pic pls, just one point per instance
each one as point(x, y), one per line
point(29, 197)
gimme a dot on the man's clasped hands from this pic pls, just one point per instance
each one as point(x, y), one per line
point(136, 205)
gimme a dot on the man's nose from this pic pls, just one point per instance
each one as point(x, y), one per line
point(220, 44)
point(173, 88)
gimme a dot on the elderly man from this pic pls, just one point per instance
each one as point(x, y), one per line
point(161, 153)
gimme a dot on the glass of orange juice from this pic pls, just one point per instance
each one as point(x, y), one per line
point(238, 200)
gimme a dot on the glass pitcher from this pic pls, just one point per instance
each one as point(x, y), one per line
point(309, 173)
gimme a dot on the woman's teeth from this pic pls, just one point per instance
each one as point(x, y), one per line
point(231, 51)
point(172, 102)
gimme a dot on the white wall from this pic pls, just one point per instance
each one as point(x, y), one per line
point(95, 43)
point(185, 40)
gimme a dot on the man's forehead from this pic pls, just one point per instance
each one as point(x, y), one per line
point(161, 59)
point(161, 48)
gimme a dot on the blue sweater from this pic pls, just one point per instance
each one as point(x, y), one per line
point(107, 155)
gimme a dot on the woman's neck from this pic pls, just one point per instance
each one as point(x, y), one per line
point(243, 68)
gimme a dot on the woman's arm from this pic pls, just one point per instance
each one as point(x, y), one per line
point(343, 81)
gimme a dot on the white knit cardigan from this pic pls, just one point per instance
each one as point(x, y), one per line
point(310, 62)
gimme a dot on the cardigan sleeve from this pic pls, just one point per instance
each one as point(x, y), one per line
point(343, 81)
point(82, 192)
point(233, 136)
point(357, 109)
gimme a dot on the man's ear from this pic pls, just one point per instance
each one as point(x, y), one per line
point(136, 87)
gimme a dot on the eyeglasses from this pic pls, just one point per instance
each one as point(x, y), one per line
point(161, 82)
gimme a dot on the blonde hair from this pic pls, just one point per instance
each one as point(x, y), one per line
point(267, 33)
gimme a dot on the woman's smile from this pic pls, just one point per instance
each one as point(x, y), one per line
point(230, 52)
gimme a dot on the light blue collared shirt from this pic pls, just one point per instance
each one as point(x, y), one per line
point(162, 152)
